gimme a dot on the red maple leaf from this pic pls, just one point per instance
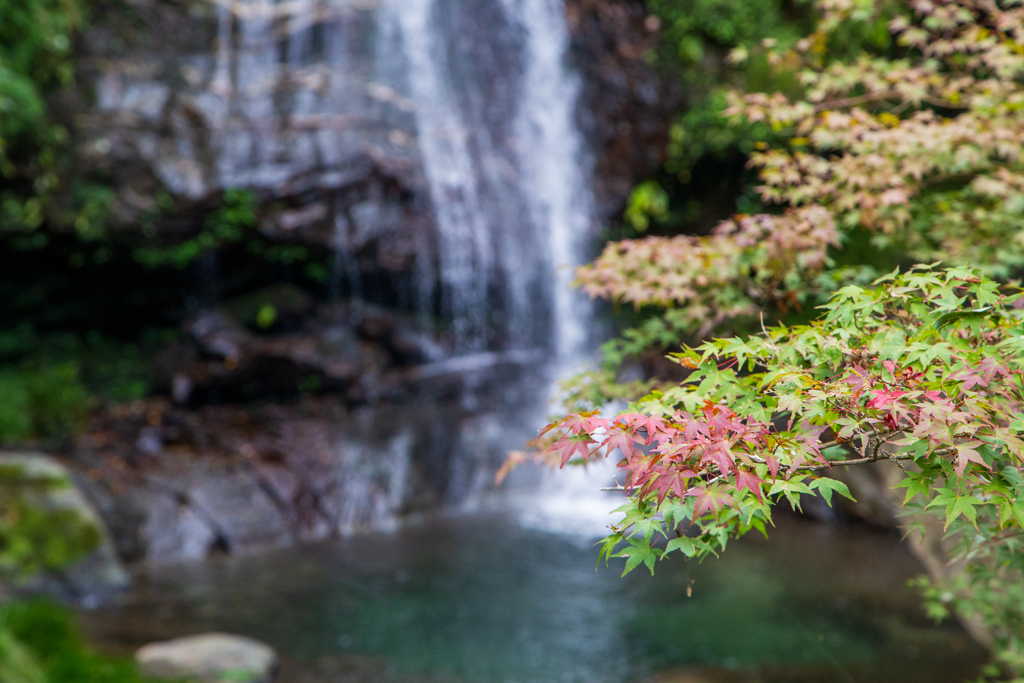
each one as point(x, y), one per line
point(747, 480)
point(571, 445)
point(966, 453)
point(883, 397)
point(619, 436)
point(709, 500)
point(858, 379)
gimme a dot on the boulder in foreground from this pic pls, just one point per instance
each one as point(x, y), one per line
point(209, 658)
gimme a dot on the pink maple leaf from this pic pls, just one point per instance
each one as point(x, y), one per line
point(966, 453)
point(747, 480)
point(708, 500)
point(883, 397)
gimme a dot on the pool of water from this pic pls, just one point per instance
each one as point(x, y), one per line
point(480, 599)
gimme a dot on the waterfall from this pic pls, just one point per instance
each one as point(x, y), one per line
point(494, 107)
point(504, 164)
point(551, 158)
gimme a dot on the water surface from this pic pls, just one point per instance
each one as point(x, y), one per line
point(482, 600)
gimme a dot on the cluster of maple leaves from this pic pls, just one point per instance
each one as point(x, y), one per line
point(711, 279)
point(924, 369)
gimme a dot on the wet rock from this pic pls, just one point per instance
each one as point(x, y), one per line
point(218, 335)
point(209, 658)
point(347, 350)
point(405, 340)
point(232, 479)
point(627, 105)
point(46, 484)
point(228, 363)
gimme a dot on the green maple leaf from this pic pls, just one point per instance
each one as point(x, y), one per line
point(915, 485)
point(957, 506)
point(688, 546)
point(636, 552)
point(826, 487)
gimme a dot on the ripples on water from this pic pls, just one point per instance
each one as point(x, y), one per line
point(485, 600)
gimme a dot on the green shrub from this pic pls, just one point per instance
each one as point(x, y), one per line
point(17, 663)
point(49, 648)
point(36, 38)
point(41, 401)
point(228, 224)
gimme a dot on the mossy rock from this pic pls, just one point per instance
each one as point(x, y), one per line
point(51, 538)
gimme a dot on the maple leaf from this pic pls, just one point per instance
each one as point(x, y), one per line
point(584, 423)
point(858, 379)
point(811, 438)
point(709, 500)
point(720, 455)
point(571, 445)
point(970, 378)
point(747, 480)
point(966, 453)
point(673, 481)
point(885, 397)
point(621, 437)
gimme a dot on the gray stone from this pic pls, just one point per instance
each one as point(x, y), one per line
point(209, 658)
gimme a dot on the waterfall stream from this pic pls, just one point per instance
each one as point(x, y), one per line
point(495, 114)
point(494, 107)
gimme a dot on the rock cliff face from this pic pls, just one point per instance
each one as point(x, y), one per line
point(626, 106)
point(192, 99)
point(301, 103)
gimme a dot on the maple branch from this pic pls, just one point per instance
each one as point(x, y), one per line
point(857, 461)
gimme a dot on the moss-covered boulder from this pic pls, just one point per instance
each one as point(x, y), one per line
point(51, 538)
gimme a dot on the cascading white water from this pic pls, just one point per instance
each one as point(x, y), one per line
point(471, 98)
point(464, 244)
point(316, 96)
point(552, 163)
point(504, 162)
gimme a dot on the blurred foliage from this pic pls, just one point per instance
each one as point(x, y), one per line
point(36, 40)
point(48, 383)
point(41, 401)
point(226, 225)
point(713, 46)
point(697, 38)
point(40, 643)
